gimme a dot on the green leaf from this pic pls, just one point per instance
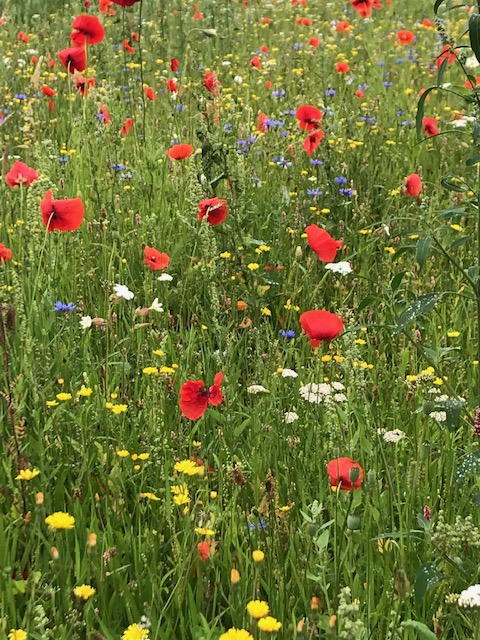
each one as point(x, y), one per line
point(421, 306)
point(423, 249)
point(426, 578)
point(422, 629)
point(456, 186)
point(421, 111)
point(472, 161)
point(441, 71)
point(396, 281)
point(474, 32)
point(453, 408)
point(459, 241)
point(367, 301)
point(470, 464)
point(437, 5)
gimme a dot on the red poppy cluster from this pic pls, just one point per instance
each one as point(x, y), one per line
point(87, 30)
point(322, 243)
point(195, 396)
point(309, 119)
point(155, 260)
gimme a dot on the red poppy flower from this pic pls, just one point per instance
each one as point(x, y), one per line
point(5, 253)
point(363, 7)
point(470, 85)
point(149, 92)
point(211, 83)
point(156, 260)
point(312, 141)
point(359, 93)
point(180, 151)
point(405, 37)
point(83, 84)
point(127, 125)
point(195, 397)
point(314, 42)
point(308, 117)
point(23, 36)
point(430, 126)
point(448, 54)
point(322, 243)
point(105, 113)
point(413, 184)
point(215, 209)
point(203, 549)
point(255, 62)
point(127, 46)
point(342, 67)
point(321, 326)
point(173, 86)
point(174, 64)
point(125, 3)
point(343, 26)
point(73, 59)
point(88, 29)
point(20, 175)
point(47, 91)
point(342, 471)
point(429, 24)
point(64, 215)
point(104, 7)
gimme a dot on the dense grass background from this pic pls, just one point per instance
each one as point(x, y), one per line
point(265, 485)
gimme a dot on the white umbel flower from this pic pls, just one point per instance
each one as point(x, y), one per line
point(342, 268)
point(470, 597)
point(122, 291)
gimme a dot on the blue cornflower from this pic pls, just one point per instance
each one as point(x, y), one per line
point(387, 84)
point(340, 180)
point(346, 192)
point(280, 161)
point(228, 127)
point(314, 192)
point(289, 333)
point(180, 107)
point(316, 163)
point(330, 92)
point(20, 96)
point(63, 160)
point(63, 308)
point(279, 93)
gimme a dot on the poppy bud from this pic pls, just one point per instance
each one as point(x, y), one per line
point(210, 33)
point(54, 553)
point(353, 523)
point(354, 474)
point(234, 576)
point(298, 253)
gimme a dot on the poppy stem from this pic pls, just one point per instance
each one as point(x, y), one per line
point(141, 67)
point(40, 268)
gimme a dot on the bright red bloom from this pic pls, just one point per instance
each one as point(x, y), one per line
point(308, 117)
point(180, 151)
point(343, 26)
point(127, 46)
point(20, 175)
point(83, 84)
point(195, 397)
point(342, 67)
point(314, 42)
point(413, 184)
point(127, 125)
point(105, 113)
point(430, 126)
point(469, 84)
point(125, 3)
point(203, 549)
point(255, 62)
point(47, 91)
point(155, 260)
point(88, 29)
point(363, 7)
point(429, 24)
point(64, 215)
point(104, 7)
point(339, 471)
point(359, 93)
point(211, 83)
point(321, 326)
point(5, 253)
point(448, 54)
point(215, 209)
point(405, 37)
point(312, 141)
point(198, 16)
point(23, 36)
point(174, 64)
point(173, 86)
point(73, 59)
point(322, 243)
point(149, 92)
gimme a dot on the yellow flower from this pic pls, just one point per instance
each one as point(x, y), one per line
point(158, 352)
point(143, 456)
point(150, 496)
point(189, 467)
point(204, 531)
point(456, 227)
point(123, 453)
point(226, 255)
point(85, 392)
point(63, 396)
point(17, 634)
point(258, 556)
point(269, 624)
point(234, 576)
point(84, 592)
point(453, 334)
point(236, 634)
point(258, 608)
point(167, 370)
point(27, 474)
point(60, 520)
point(360, 341)
point(135, 632)
point(265, 311)
point(52, 403)
point(253, 266)
point(150, 371)
point(116, 408)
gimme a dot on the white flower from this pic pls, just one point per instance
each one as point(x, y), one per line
point(315, 393)
point(157, 306)
point(471, 63)
point(257, 388)
point(392, 436)
point(86, 322)
point(289, 373)
point(122, 291)
point(439, 416)
point(340, 397)
point(339, 267)
point(165, 277)
point(290, 416)
point(470, 597)
point(226, 63)
point(238, 79)
point(338, 386)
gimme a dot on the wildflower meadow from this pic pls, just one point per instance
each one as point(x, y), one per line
point(240, 319)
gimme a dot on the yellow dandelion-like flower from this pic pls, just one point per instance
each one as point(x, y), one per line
point(258, 556)
point(159, 352)
point(150, 496)
point(63, 397)
point(84, 592)
point(453, 334)
point(253, 266)
point(27, 474)
point(236, 634)
point(150, 371)
point(135, 632)
point(204, 531)
point(189, 468)
point(258, 609)
point(116, 408)
point(60, 520)
point(52, 403)
point(17, 634)
point(143, 456)
point(85, 392)
point(265, 311)
point(123, 453)
point(269, 624)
